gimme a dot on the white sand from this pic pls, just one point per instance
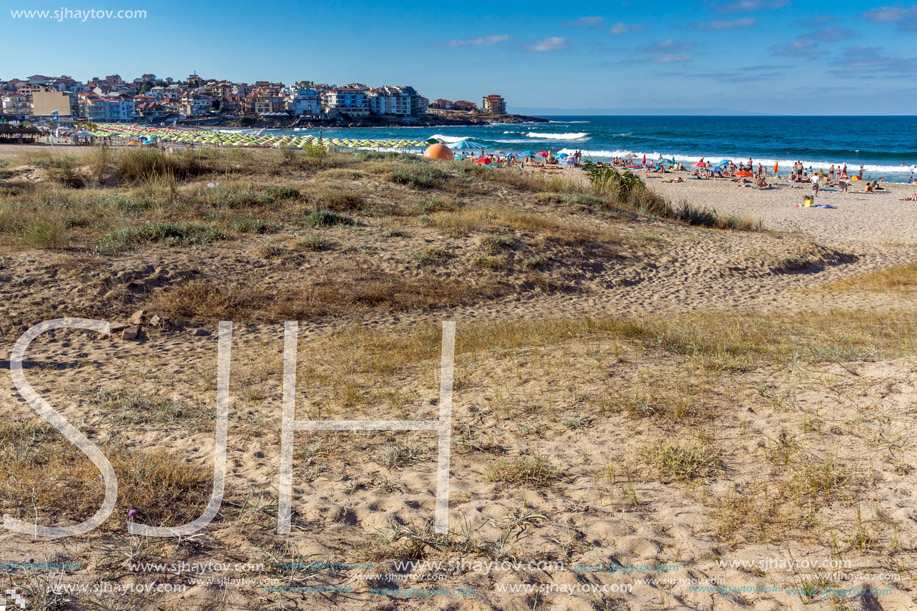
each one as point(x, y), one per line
point(878, 218)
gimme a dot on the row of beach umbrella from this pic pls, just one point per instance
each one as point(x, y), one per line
point(147, 135)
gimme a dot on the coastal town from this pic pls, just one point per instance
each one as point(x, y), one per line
point(151, 99)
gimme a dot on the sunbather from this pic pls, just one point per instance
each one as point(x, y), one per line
point(679, 179)
point(912, 198)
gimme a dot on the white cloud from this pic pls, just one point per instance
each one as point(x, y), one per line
point(589, 22)
point(623, 28)
point(667, 46)
point(749, 6)
point(905, 18)
point(801, 47)
point(671, 58)
point(480, 41)
point(725, 24)
point(554, 43)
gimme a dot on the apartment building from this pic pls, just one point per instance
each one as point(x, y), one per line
point(494, 104)
point(196, 104)
point(106, 108)
point(302, 100)
point(345, 101)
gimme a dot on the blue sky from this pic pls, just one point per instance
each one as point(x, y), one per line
point(757, 56)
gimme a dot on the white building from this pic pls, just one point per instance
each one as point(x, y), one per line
point(107, 109)
point(196, 104)
point(15, 104)
point(303, 101)
point(397, 101)
point(345, 100)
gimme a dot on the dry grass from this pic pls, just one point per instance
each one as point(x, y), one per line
point(683, 462)
point(349, 292)
point(531, 471)
point(901, 279)
point(50, 481)
point(784, 505)
point(722, 341)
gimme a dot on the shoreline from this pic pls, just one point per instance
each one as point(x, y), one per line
point(8, 151)
point(429, 120)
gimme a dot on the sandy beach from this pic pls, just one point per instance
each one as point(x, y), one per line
point(878, 218)
point(640, 406)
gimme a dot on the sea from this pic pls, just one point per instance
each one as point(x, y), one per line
point(886, 147)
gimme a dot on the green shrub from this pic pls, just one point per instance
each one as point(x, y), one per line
point(419, 176)
point(165, 233)
point(496, 244)
point(281, 192)
point(249, 225)
point(627, 190)
point(45, 233)
point(324, 218)
point(130, 205)
point(313, 242)
point(339, 201)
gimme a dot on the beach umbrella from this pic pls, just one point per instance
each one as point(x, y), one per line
point(744, 173)
point(630, 156)
point(527, 153)
point(699, 164)
point(439, 151)
point(562, 156)
point(465, 144)
point(482, 160)
point(543, 154)
point(644, 159)
point(775, 167)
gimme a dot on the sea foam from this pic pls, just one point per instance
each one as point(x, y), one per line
point(549, 136)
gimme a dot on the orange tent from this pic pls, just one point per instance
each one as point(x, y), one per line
point(439, 151)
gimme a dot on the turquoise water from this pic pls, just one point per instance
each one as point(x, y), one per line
point(885, 146)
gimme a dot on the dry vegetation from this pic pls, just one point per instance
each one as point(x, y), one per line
point(580, 434)
point(901, 280)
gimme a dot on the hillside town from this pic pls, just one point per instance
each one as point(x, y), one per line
point(152, 99)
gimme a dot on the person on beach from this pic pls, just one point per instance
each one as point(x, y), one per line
point(842, 185)
point(912, 198)
point(861, 173)
point(831, 173)
point(815, 186)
